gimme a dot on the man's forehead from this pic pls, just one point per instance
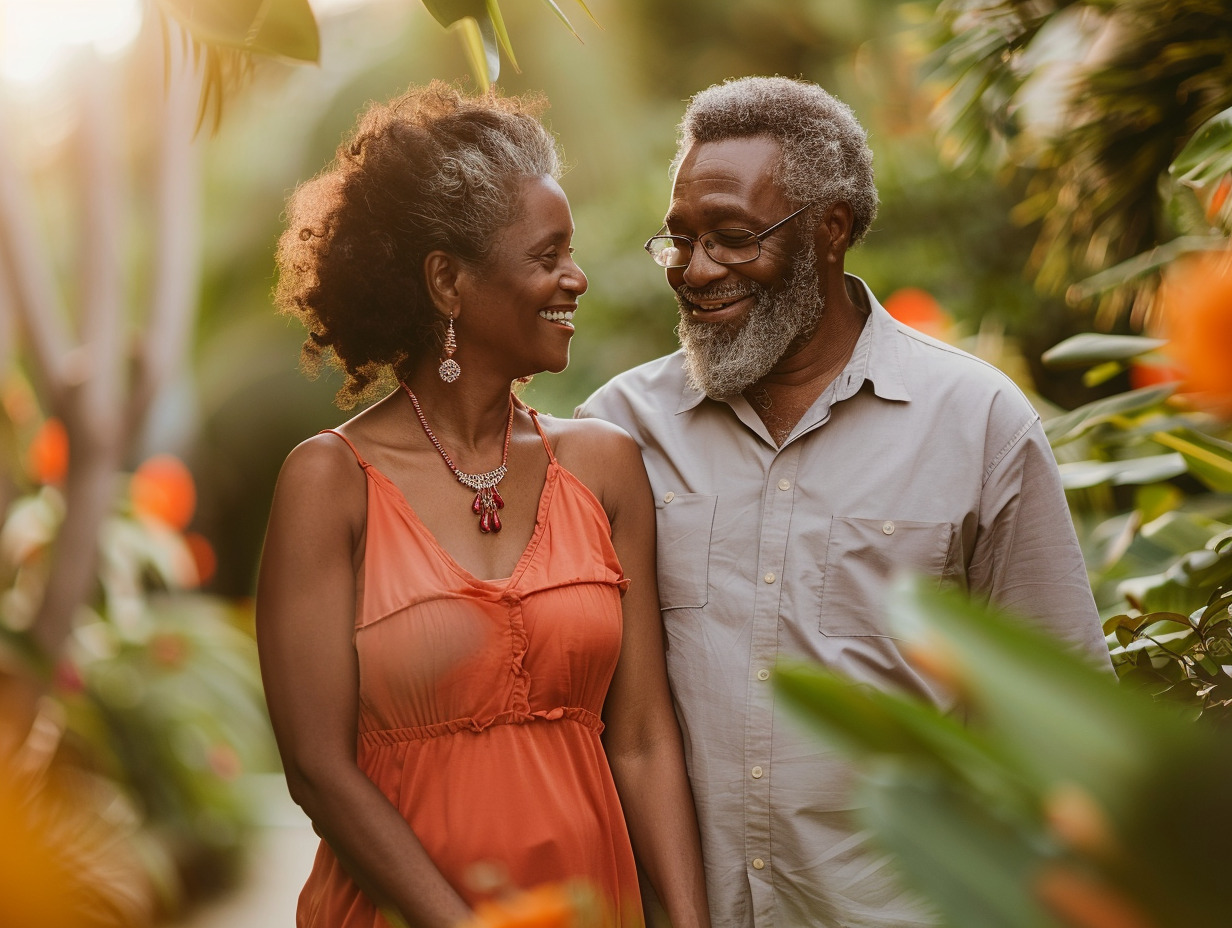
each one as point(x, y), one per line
point(726, 178)
point(739, 157)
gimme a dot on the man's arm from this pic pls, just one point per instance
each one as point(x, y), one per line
point(1027, 558)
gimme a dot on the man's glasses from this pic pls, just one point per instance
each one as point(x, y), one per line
point(723, 246)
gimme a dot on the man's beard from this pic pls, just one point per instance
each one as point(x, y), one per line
point(722, 360)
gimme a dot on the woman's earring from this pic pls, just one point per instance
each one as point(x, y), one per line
point(449, 369)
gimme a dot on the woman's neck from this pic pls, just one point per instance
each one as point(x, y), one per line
point(466, 416)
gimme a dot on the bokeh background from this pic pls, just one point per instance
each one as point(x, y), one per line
point(149, 392)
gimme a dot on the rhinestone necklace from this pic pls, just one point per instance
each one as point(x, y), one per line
point(487, 499)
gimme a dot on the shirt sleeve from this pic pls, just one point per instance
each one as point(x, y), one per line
point(1026, 557)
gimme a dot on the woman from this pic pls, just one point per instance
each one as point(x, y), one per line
point(442, 610)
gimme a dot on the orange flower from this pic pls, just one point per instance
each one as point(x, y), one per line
point(47, 457)
point(224, 761)
point(163, 489)
point(1218, 198)
point(168, 649)
point(1149, 374)
point(917, 308)
point(203, 556)
point(547, 906)
point(1085, 901)
point(1197, 316)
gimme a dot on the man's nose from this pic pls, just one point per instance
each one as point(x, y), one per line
point(701, 269)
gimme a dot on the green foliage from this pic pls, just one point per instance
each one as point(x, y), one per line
point(1207, 156)
point(1094, 100)
point(1163, 570)
point(1052, 799)
point(159, 690)
point(225, 34)
point(481, 27)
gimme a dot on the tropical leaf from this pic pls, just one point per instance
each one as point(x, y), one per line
point(1094, 347)
point(1095, 163)
point(1147, 263)
point(1207, 156)
point(1079, 475)
point(225, 34)
point(481, 28)
point(565, 19)
point(1074, 423)
point(276, 28)
point(1209, 459)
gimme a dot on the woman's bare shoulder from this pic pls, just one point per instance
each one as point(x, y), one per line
point(588, 439)
point(602, 455)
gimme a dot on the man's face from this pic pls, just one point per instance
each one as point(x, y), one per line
point(738, 321)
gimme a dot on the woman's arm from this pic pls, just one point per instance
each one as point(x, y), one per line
point(305, 621)
point(642, 737)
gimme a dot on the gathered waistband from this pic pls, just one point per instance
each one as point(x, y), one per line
point(385, 736)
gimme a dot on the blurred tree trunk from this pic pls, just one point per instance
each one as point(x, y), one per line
point(97, 361)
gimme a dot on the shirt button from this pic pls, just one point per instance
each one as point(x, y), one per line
point(669, 496)
point(784, 484)
point(759, 864)
point(763, 674)
point(756, 772)
point(769, 578)
point(887, 527)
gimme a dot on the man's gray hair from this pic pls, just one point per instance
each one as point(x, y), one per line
point(825, 157)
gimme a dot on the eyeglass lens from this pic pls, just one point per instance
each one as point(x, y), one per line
point(723, 246)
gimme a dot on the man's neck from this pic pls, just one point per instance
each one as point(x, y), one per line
point(785, 394)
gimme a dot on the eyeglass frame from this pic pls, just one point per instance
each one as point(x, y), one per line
point(758, 238)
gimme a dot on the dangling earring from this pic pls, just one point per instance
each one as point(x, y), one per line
point(449, 369)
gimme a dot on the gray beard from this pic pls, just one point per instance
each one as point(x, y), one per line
point(725, 360)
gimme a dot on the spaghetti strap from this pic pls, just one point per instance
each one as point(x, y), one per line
point(358, 457)
point(534, 417)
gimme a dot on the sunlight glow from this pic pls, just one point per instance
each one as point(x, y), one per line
point(37, 37)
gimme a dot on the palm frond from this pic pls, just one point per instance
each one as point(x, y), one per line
point(225, 35)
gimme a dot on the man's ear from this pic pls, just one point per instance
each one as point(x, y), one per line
point(442, 272)
point(834, 232)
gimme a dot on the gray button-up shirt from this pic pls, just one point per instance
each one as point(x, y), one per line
point(917, 455)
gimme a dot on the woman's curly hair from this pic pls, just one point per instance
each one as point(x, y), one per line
point(431, 169)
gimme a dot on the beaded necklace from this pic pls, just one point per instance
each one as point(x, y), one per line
point(487, 498)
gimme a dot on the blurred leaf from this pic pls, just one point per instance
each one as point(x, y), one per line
point(1153, 500)
point(973, 865)
point(278, 28)
point(1082, 474)
point(1184, 586)
point(480, 48)
point(1149, 262)
point(225, 34)
point(1094, 347)
point(869, 722)
point(448, 12)
point(1071, 425)
point(502, 35)
point(1101, 373)
point(1208, 153)
point(564, 19)
point(481, 30)
point(1209, 459)
point(1091, 732)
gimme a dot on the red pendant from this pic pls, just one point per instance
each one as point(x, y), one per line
point(487, 502)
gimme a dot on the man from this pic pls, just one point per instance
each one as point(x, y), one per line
point(802, 446)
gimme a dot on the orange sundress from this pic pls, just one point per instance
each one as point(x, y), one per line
point(480, 702)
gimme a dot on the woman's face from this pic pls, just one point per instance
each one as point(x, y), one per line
point(517, 308)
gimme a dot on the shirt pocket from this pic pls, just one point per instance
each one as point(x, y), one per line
point(683, 523)
point(861, 556)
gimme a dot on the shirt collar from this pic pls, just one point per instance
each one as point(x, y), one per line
point(875, 359)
